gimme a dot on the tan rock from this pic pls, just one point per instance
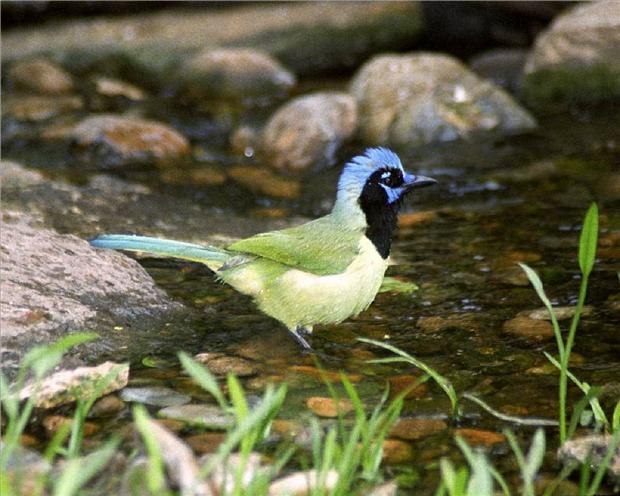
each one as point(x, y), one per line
point(328, 407)
point(417, 428)
point(532, 329)
point(40, 76)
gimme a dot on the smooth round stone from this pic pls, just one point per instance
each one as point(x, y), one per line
point(208, 416)
point(328, 407)
point(480, 437)
point(417, 428)
point(156, 396)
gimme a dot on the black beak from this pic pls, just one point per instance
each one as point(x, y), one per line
point(412, 181)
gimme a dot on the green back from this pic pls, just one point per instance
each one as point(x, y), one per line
point(321, 247)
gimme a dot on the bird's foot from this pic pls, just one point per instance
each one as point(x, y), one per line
point(299, 334)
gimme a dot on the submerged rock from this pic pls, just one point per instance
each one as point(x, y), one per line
point(156, 396)
point(243, 75)
point(35, 108)
point(329, 407)
point(480, 437)
point(502, 66)
point(308, 131)
point(419, 98)
point(531, 329)
point(264, 181)
point(112, 140)
point(417, 428)
point(67, 386)
point(396, 451)
point(208, 416)
point(220, 364)
point(576, 58)
point(594, 448)
point(561, 313)
point(40, 76)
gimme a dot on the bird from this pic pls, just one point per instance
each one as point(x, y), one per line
point(320, 272)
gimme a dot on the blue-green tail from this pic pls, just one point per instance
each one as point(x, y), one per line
point(212, 257)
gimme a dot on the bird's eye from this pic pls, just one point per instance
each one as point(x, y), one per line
point(392, 178)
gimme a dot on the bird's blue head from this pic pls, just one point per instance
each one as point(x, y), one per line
point(371, 189)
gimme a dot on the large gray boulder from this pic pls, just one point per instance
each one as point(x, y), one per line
point(577, 59)
point(420, 98)
point(306, 132)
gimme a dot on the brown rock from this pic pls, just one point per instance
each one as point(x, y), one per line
point(220, 364)
point(396, 451)
point(39, 108)
point(416, 218)
point(204, 176)
point(306, 132)
point(525, 327)
point(116, 140)
point(207, 442)
point(171, 424)
point(561, 313)
point(417, 428)
point(106, 406)
point(52, 423)
point(467, 321)
point(265, 181)
point(234, 73)
point(328, 407)
point(400, 383)
point(40, 76)
point(111, 87)
point(324, 375)
point(479, 437)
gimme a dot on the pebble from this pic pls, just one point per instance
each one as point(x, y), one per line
point(171, 424)
point(479, 437)
point(106, 406)
point(220, 364)
point(324, 375)
point(467, 321)
point(207, 442)
point(328, 407)
point(303, 483)
point(52, 423)
point(111, 87)
point(264, 181)
point(400, 383)
point(396, 451)
point(531, 329)
point(155, 396)
point(37, 108)
point(410, 429)
point(208, 416)
point(40, 76)
point(561, 313)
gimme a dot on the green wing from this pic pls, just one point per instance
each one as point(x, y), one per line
point(320, 247)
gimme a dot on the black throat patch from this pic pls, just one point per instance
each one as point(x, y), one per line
point(381, 216)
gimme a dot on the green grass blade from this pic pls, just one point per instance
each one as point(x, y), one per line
point(588, 241)
point(204, 378)
point(155, 478)
point(615, 418)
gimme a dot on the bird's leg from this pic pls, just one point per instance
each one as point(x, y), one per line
point(297, 332)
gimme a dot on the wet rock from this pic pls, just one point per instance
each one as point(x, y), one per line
point(561, 313)
point(156, 396)
point(234, 74)
point(40, 108)
point(106, 406)
point(389, 488)
point(264, 181)
point(207, 416)
point(502, 66)
point(171, 424)
point(307, 132)
point(53, 284)
point(420, 98)
point(22, 470)
point(416, 218)
point(479, 437)
point(324, 375)
point(528, 328)
point(304, 483)
point(467, 321)
point(223, 478)
point(595, 446)
point(220, 364)
point(14, 175)
point(401, 383)
point(411, 429)
point(204, 176)
point(53, 423)
point(329, 407)
point(207, 442)
point(576, 58)
point(306, 37)
point(245, 140)
point(512, 275)
point(112, 140)
point(396, 452)
point(67, 386)
point(114, 88)
point(40, 76)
